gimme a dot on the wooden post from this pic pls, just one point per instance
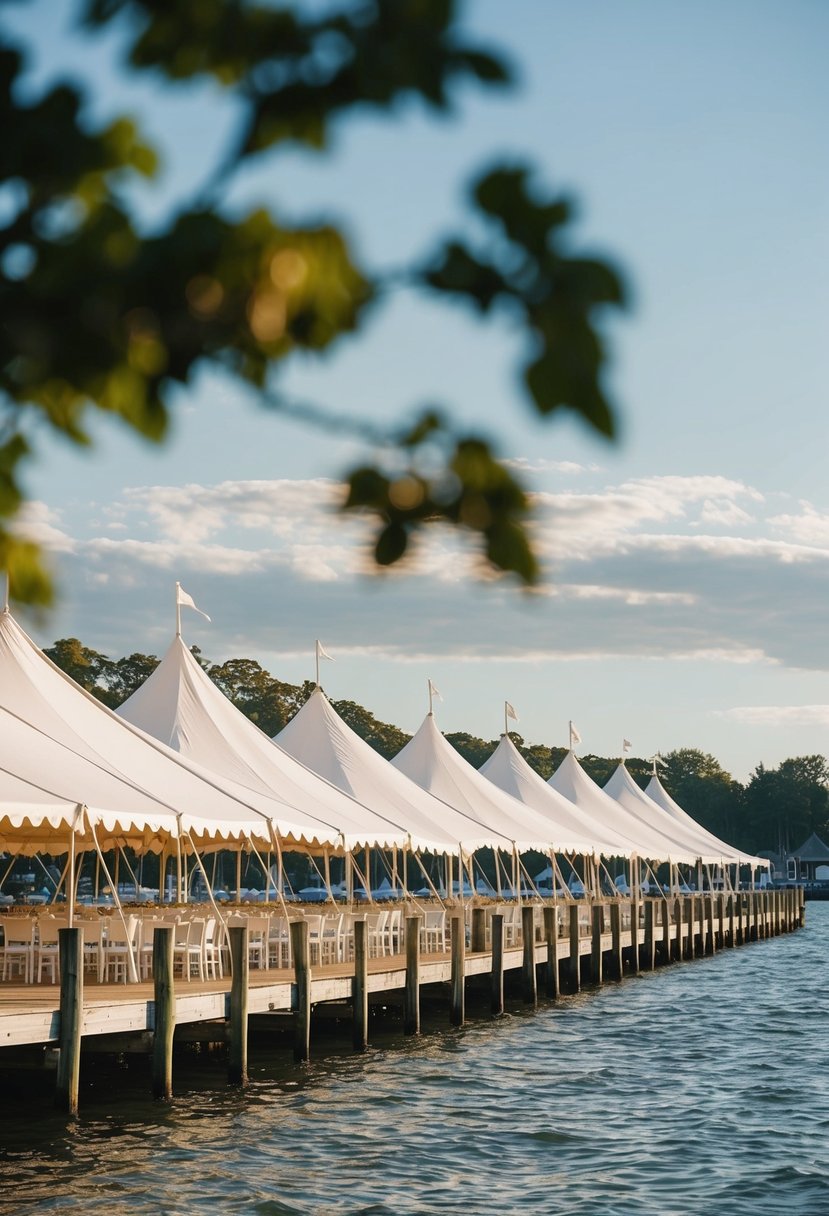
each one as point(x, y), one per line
point(477, 942)
point(457, 1001)
point(754, 915)
point(741, 919)
point(551, 938)
point(690, 915)
point(70, 955)
point(359, 985)
point(497, 931)
point(650, 936)
point(616, 964)
point(711, 937)
point(596, 926)
point(300, 948)
point(732, 928)
point(634, 935)
point(666, 931)
point(165, 1013)
point(411, 1000)
point(678, 907)
point(575, 951)
point(237, 1059)
point(528, 966)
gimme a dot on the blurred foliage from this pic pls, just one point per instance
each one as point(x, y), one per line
point(99, 313)
point(777, 809)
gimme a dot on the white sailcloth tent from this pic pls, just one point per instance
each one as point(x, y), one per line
point(180, 705)
point(656, 791)
point(61, 740)
point(572, 829)
point(624, 790)
point(319, 738)
point(432, 762)
point(573, 782)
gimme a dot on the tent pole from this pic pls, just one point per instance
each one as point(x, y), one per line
point(162, 866)
point(97, 877)
point(117, 867)
point(239, 871)
point(70, 890)
point(178, 868)
point(406, 871)
point(8, 871)
point(326, 861)
point(118, 904)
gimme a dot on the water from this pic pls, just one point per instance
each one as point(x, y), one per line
point(700, 1088)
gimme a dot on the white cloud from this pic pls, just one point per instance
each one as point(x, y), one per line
point(656, 568)
point(777, 715)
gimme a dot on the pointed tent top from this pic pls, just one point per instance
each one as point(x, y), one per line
point(319, 737)
point(431, 760)
point(573, 782)
point(690, 842)
point(571, 830)
point(657, 793)
point(181, 705)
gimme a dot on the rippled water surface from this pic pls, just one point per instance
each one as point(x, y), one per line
point(700, 1088)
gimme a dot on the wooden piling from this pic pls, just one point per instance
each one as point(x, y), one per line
point(497, 932)
point(165, 1014)
point(575, 951)
point(359, 986)
point(70, 958)
point(551, 966)
point(666, 930)
point(710, 934)
point(411, 999)
point(732, 927)
point(634, 935)
point(528, 976)
point(457, 996)
point(678, 908)
point(690, 918)
point(300, 948)
point(596, 926)
point(477, 941)
point(616, 964)
point(650, 936)
point(237, 1057)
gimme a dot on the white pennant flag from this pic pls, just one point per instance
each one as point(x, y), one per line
point(511, 712)
point(322, 653)
point(433, 692)
point(575, 737)
point(183, 600)
point(626, 745)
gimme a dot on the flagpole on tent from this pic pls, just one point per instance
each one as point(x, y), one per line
point(5, 590)
point(178, 610)
point(317, 658)
point(506, 723)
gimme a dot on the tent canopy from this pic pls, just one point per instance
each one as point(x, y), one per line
point(430, 760)
point(571, 830)
point(181, 706)
point(59, 739)
point(318, 737)
point(657, 793)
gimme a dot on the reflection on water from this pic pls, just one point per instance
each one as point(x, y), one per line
point(701, 1088)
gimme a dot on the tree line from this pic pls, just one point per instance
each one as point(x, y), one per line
point(777, 808)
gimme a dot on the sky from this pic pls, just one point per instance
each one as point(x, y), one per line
point(687, 565)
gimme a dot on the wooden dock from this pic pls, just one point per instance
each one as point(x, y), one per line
point(557, 950)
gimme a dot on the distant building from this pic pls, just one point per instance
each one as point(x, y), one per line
point(808, 864)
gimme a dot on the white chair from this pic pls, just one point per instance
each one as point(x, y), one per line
point(93, 946)
point(433, 932)
point(315, 922)
point(331, 941)
point(259, 928)
point(46, 950)
point(394, 931)
point(279, 942)
point(213, 967)
point(376, 932)
point(119, 946)
point(19, 948)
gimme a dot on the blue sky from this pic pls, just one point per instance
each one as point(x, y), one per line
point(688, 564)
